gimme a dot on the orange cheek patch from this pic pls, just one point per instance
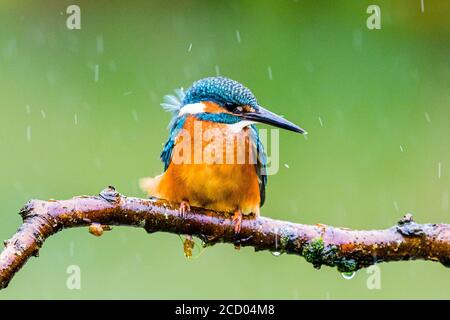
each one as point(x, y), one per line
point(247, 108)
point(212, 107)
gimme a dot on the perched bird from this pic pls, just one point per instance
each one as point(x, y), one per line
point(214, 158)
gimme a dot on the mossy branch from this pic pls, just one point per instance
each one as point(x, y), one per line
point(348, 250)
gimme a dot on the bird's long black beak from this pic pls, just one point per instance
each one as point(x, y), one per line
point(265, 116)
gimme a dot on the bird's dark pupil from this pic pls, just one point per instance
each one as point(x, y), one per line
point(233, 107)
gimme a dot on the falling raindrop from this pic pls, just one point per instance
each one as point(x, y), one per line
point(286, 165)
point(275, 253)
point(43, 114)
point(75, 119)
point(269, 70)
point(321, 122)
point(238, 36)
point(396, 206)
point(439, 170)
point(357, 39)
point(127, 93)
point(217, 70)
point(96, 70)
point(98, 163)
point(28, 108)
point(29, 133)
point(99, 44)
point(348, 275)
point(401, 148)
point(445, 200)
point(190, 47)
point(135, 115)
point(427, 116)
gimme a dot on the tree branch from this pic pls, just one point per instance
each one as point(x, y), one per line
point(348, 250)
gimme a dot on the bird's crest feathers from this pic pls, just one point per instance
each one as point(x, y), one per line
point(173, 102)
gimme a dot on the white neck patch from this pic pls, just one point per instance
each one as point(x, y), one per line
point(192, 108)
point(236, 127)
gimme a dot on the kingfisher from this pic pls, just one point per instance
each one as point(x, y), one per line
point(214, 157)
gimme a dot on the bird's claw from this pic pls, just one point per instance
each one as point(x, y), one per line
point(237, 219)
point(185, 207)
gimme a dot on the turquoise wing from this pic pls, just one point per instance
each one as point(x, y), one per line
point(166, 155)
point(261, 163)
point(172, 104)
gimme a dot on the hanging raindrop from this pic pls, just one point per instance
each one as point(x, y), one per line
point(348, 275)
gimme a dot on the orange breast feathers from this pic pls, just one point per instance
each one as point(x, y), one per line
point(212, 166)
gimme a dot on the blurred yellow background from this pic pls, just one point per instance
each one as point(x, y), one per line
point(80, 111)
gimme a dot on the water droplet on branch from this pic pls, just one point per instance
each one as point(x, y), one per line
point(348, 275)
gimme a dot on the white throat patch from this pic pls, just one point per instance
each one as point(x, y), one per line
point(236, 127)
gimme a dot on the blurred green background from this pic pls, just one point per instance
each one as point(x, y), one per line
point(376, 104)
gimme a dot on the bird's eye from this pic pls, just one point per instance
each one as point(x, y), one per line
point(230, 106)
point(238, 109)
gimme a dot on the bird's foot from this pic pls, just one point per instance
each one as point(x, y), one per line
point(237, 219)
point(185, 207)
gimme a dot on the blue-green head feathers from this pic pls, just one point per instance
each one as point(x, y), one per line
point(223, 91)
point(226, 92)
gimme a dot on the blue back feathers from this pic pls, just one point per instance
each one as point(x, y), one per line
point(261, 164)
point(176, 126)
point(225, 92)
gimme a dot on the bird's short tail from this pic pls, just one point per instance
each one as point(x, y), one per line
point(149, 185)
